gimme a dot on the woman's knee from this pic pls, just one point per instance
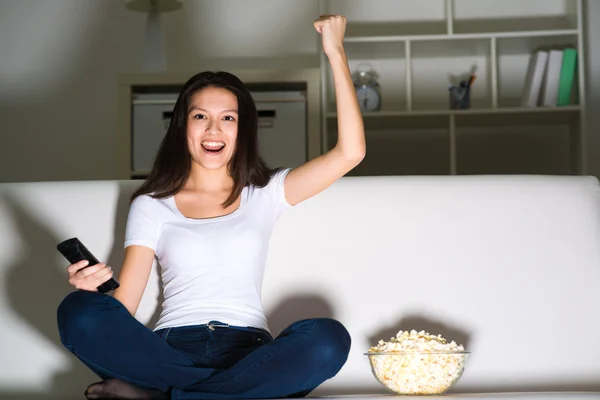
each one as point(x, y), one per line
point(331, 342)
point(77, 315)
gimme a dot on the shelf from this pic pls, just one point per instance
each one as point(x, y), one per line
point(523, 144)
point(385, 20)
point(478, 16)
point(416, 145)
point(389, 60)
point(436, 64)
point(375, 18)
point(373, 31)
point(510, 152)
point(459, 36)
point(490, 26)
point(567, 116)
point(483, 111)
point(513, 62)
point(417, 45)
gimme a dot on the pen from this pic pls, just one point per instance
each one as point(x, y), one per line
point(472, 79)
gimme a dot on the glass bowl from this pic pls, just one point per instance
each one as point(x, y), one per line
point(418, 373)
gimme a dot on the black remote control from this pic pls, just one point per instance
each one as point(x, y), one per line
point(74, 251)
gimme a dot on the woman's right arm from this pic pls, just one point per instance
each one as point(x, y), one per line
point(141, 238)
point(133, 277)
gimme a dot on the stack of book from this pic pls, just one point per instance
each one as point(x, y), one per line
point(550, 80)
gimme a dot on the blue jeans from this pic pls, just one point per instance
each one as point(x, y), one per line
point(203, 361)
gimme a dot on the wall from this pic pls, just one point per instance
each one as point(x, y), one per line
point(58, 87)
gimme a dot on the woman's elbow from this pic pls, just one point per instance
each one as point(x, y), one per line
point(355, 156)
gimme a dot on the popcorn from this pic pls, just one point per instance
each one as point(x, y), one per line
point(417, 363)
point(416, 341)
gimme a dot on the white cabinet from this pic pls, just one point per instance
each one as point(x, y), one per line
point(418, 46)
point(287, 102)
point(282, 126)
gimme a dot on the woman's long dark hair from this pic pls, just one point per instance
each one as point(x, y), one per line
point(172, 165)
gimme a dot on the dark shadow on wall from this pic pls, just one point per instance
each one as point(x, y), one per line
point(296, 308)
point(419, 323)
point(159, 302)
point(117, 252)
point(35, 286)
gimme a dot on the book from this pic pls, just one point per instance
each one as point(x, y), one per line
point(567, 77)
point(552, 78)
point(534, 78)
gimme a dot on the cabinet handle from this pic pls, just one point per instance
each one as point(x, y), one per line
point(266, 118)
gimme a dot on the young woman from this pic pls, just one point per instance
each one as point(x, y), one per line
point(206, 213)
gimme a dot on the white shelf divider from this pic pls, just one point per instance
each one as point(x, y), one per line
point(450, 16)
point(455, 36)
point(472, 111)
point(408, 74)
point(583, 140)
point(494, 71)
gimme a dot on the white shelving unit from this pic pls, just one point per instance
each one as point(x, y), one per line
point(416, 45)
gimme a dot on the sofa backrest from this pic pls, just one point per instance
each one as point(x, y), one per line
point(509, 266)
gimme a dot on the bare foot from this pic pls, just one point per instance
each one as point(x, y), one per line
point(116, 389)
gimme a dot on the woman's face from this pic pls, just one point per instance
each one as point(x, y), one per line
point(212, 126)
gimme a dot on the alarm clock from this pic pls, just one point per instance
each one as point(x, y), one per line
point(368, 90)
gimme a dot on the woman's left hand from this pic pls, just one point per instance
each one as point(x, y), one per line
point(332, 29)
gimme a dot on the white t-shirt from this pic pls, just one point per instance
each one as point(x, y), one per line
point(212, 269)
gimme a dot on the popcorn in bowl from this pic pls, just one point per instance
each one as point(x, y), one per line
point(417, 363)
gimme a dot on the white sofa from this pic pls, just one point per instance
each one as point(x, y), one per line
point(507, 265)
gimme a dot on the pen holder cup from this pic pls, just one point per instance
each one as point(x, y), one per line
point(460, 97)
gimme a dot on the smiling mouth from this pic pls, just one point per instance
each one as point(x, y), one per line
point(212, 148)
